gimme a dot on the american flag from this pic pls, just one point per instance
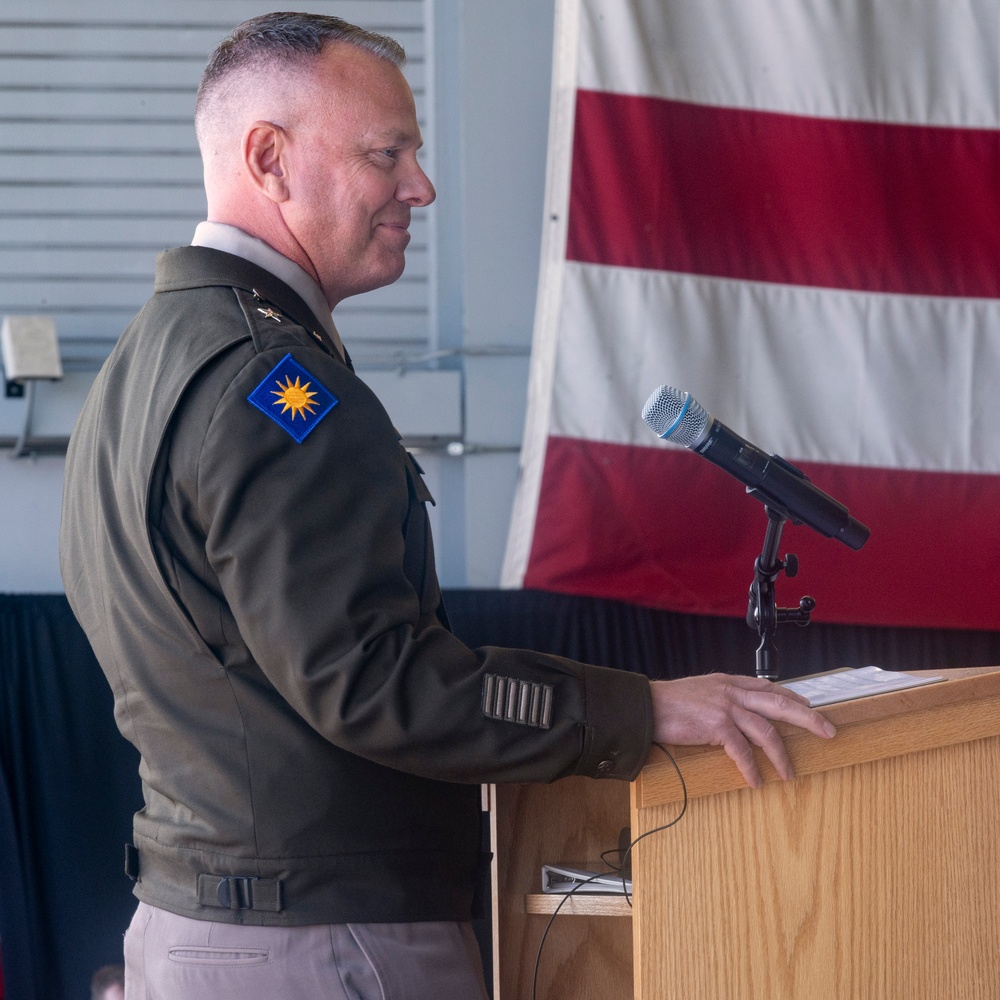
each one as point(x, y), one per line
point(792, 211)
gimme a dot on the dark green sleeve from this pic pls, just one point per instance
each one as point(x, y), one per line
point(313, 544)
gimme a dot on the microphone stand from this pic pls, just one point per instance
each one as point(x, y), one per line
point(762, 614)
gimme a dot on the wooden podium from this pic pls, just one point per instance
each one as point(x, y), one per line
point(874, 874)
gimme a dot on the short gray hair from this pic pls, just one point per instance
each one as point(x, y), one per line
point(290, 38)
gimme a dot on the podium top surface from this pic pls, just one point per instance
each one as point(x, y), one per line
point(963, 706)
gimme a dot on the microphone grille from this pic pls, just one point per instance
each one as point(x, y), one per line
point(676, 416)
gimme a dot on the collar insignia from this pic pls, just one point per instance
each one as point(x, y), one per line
point(293, 398)
point(270, 314)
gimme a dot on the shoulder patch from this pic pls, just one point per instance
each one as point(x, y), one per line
point(293, 398)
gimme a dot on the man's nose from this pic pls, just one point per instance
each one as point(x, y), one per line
point(416, 189)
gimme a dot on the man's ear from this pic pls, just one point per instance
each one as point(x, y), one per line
point(264, 146)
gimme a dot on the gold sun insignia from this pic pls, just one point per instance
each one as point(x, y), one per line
point(296, 397)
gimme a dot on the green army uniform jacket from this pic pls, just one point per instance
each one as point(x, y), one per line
point(246, 545)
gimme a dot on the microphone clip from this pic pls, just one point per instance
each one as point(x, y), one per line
point(762, 612)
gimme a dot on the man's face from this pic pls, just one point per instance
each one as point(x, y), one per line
point(353, 171)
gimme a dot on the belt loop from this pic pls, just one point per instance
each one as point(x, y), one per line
point(132, 862)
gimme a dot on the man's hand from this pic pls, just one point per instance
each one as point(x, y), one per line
point(736, 713)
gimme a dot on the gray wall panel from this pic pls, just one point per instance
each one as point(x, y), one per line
point(482, 86)
point(99, 166)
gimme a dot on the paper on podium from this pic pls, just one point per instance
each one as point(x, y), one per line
point(846, 685)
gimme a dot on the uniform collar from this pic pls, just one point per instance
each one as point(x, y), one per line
point(229, 239)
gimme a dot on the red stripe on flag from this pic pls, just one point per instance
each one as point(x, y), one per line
point(619, 522)
point(761, 196)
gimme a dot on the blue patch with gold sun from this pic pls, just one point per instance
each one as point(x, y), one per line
point(293, 398)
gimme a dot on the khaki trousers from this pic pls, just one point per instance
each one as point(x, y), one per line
point(169, 957)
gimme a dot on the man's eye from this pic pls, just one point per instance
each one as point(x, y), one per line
point(391, 153)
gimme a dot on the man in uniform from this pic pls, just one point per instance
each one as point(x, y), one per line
point(245, 543)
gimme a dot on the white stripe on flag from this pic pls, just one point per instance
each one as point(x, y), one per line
point(884, 390)
point(812, 374)
point(928, 63)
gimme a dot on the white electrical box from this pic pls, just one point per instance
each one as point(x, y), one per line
point(30, 348)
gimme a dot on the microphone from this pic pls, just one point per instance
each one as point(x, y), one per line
point(677, 416)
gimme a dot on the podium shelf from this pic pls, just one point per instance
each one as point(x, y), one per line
point(579, 905)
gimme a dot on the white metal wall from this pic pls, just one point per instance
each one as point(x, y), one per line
point(92, 95)
point(99, 168)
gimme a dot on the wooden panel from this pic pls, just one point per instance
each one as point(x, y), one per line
point(575, 819)
point(579, 905)
point(966, 706)
point(871, 875)
point(870, 881)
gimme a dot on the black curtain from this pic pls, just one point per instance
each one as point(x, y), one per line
point(69, 782)
point(68, 788)
point(663, 644)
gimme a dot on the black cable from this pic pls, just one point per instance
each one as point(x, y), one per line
point(622, 868)
point(555, 913)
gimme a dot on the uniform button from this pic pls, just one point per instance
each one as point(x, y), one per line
point(606, 767)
